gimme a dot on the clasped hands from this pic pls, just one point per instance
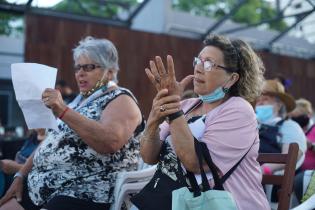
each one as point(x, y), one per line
point(167, 100)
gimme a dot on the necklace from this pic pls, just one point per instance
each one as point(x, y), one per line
point(99, 84)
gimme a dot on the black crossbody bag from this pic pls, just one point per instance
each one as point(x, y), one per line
point(157, 194)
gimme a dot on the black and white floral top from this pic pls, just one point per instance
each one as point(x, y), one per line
point(168, 163)
point(65, 165)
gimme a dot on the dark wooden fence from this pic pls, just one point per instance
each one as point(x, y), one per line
point(50, 41)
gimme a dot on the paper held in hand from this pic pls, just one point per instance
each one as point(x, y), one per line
point(29, 82)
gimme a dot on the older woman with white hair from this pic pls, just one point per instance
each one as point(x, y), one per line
point(76, 166)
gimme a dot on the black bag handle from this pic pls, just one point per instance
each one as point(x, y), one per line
point(227, 174)
point(202, 151)
point(205, 184)
point(202, 154)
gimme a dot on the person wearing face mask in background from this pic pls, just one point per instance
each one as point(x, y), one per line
point(271, 111)
point(302, 114)
point(304, 181)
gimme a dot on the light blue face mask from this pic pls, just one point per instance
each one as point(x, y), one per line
point(216, 95)
point(264, 113)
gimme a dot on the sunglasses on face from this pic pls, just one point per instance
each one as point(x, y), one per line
point(86, 67)
point(207, 65)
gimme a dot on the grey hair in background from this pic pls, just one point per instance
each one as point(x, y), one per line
point(101, 51)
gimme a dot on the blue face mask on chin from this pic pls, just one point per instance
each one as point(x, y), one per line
point(216, 95)
point(264, 113)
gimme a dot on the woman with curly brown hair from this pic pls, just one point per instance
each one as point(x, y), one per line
point(227, 78)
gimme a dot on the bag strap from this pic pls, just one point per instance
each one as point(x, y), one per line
point(205, 184)
point(162, 151)
point(208, 159)
point(278, 124)
point(228, 174)
point(197, 104)
point(202, 151)
point(181, 176)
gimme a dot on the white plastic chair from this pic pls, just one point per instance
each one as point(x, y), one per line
point(309, 204)
point(130, 182)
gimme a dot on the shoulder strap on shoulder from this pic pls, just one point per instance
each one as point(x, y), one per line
point(281, 122)
point(228, 174)
point(197, 104)
point(124, 91)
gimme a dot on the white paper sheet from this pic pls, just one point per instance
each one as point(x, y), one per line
point(29, 82)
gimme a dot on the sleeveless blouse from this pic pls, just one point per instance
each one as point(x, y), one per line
point(65, 165)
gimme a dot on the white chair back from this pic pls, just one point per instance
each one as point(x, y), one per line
point(309, 204)
point(131, 182)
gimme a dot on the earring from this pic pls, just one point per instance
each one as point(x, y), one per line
point(225, 90)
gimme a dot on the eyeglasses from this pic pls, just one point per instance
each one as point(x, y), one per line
point(208, 65)
point(86, 67)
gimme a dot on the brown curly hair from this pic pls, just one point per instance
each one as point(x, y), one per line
point(239, 57)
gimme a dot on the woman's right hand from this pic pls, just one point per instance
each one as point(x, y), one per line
point(162, 106)
point(9, 166)
point(164, 78)
point(15, 191)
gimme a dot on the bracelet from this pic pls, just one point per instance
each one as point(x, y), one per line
point(18, 174)
point(63, 113)
point(175, 115)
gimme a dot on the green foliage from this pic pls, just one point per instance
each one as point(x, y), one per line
point(94, 7)
point(81, 7)
point(6, 20)
point(6, 27)
point(253, 11)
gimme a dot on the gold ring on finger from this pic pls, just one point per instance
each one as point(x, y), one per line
point(162, 108)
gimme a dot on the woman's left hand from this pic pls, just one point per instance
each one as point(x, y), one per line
point(162, 106)
point(163, 78)
point(53, 100)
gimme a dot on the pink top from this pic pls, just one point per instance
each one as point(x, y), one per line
point(230, 130)
point(309, 162)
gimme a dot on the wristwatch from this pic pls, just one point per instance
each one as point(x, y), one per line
point(18, 174)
